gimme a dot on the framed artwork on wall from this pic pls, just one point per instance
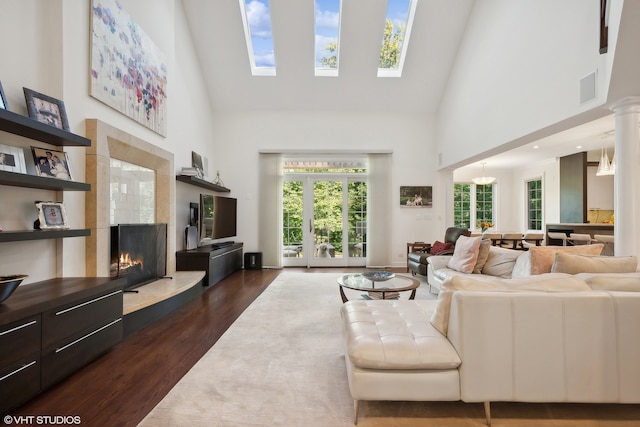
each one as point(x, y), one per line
point(51, 216)
point(128, 71)
point(51, 163)
point(416, 196)
point(12, 159)
point(46, 109)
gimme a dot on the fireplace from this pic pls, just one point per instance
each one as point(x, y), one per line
point(138, 252)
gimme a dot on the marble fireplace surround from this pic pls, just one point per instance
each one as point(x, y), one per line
point(109, 142)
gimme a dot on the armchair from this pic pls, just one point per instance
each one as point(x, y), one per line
point(417, 261)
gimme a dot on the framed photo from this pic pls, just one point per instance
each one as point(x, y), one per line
point(12, 159)
point(51, 163)
point(46, 109)
point(416, 196)
point(196, 162)
point(3, 99)
point(52, 216)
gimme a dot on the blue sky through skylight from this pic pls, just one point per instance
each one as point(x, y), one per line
point(400, 13)
point(259, 23)
point(327, 25)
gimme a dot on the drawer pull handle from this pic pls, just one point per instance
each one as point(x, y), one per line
point(58, 350)
point(18, 370)
point(33, 322)
point(88, 302)
point(226, 253)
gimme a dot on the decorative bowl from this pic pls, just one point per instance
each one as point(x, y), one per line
point(8, 284)
point(378, 276)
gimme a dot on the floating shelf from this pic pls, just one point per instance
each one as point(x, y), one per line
point(33, 181)
point(194, 180)
point(19, 236)
point(33, 129)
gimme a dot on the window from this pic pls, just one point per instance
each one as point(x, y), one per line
point(472, 204)
point(395, 37)
point(257, 27)
point(534, 204)
point(327, 26)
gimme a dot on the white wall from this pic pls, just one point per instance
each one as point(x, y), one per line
point(45, 46)
point(239, 138)
point(517, 72)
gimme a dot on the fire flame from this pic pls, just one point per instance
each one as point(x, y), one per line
point(127, 262)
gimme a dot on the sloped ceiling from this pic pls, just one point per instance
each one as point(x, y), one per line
point(218, 34)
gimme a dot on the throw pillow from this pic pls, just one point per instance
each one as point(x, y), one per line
point(500, 262)
point(576, 263)
point(465, 254)
point(438, 247)
point(551, 282)
point(627, 282)
point(483, 255)
point(542, 257)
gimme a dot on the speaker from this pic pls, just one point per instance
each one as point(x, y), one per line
point(191, 237)
point(253, 261)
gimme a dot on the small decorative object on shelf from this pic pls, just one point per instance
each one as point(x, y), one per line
point(218, 181)
point(51, 216)
point(12, 159)
point(46, 109)
point(8, 284)
point(51, 163)
point(188, 171)
point(3, 99)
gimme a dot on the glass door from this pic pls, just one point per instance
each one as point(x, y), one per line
point(324, 221)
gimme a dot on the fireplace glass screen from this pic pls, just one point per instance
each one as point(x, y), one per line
point(139, 252)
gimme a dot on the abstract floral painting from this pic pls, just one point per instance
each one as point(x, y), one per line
point(128, 71)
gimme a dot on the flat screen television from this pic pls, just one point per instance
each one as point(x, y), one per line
point(217, 217)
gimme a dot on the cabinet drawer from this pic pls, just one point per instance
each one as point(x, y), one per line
point(67, 356)
point(19, 339)
point(81, 316)
point(19, 381)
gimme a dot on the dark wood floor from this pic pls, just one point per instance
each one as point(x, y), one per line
point(125, 384)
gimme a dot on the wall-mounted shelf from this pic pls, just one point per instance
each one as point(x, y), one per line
point(33, 129)
point(194, 180)
point(33, 181)
point(19, 236)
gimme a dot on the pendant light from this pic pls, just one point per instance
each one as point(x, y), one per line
point(604, 166)
point(483, 180)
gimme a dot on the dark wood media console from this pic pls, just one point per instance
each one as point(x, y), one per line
point(217, 262)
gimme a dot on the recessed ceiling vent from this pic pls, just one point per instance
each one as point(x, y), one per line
point(588, 88)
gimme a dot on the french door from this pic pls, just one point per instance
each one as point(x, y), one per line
point(324, 220)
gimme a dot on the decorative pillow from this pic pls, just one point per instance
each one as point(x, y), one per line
point(465, 254)
point(438, 247)
point(483, 255)
point(500, 262)
point(522, 268)
point(542, 257)
point(577, 263)
point(550, 282)
point(626, 282)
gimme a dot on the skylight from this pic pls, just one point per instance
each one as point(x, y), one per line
point(327, 42)
point(257, 27)
point(395, 37)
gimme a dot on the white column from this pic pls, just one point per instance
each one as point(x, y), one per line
point(627, 177)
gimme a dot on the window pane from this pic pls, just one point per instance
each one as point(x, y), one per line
point(534, 202)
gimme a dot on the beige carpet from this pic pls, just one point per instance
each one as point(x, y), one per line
point(281, 364)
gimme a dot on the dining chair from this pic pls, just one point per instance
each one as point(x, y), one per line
point(495, 237)
point(511, 240)
point(609, 247)
point(558, 236)
point(531, 239)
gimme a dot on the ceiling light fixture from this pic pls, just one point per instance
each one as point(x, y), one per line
point(483, 180)
point(604, 166)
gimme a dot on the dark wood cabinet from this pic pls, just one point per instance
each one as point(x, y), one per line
point(50, 329)
point(216, 262)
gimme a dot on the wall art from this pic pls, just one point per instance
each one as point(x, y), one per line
point(416, 196)
point(128, 71)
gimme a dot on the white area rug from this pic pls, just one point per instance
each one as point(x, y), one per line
point(280, 364)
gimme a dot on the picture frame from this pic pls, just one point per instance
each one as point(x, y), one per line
point(52, 216)
point(51, 163)
point(46, 109)
point(420, 196)
point(3, 99)
point(196, 162)
point(12, 159)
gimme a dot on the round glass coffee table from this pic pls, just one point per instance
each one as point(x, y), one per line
point(378, 285)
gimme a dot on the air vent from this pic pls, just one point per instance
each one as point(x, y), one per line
point(588, 88)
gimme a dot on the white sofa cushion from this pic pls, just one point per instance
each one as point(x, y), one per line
point(627, 282)
point(577, 263)
point(395, 335)
point(500, 262)
point(539, 259)
point(550, 282)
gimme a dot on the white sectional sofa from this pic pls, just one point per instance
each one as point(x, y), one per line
point(553, 337)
